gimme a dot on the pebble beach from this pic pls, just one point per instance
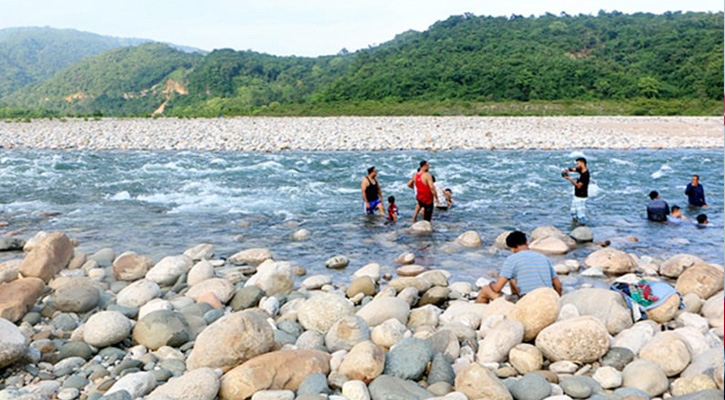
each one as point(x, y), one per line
point(366, 133)
point(83, 321)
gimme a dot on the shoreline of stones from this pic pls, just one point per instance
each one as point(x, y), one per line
point(195, 326)
point(270, 134)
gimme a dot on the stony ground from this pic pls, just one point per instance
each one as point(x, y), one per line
point(367, 133)
point(193, 326)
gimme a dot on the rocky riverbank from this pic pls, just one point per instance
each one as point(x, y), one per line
point(194, 326)
point(366, 133)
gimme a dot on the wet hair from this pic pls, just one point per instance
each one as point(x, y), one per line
point(582, 159)
point(370, 170)
point(701, 219)
point(675, 208)
point(653, 194)
point(448, 190)
point(515, 239)
point(422, 164)
point(391, 199)
point(696, 176)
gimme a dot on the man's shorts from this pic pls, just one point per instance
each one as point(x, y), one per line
point(427, 210)
point(373, 205)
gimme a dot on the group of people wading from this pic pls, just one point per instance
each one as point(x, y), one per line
point(426, 194)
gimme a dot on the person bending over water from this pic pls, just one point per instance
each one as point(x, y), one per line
point(371, 193)
point(525, 270)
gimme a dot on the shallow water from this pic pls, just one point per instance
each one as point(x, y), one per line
point(160, 203)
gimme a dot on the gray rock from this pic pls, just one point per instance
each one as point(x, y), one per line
point(75, 349)
point(618, 357)
point(161, 328)
point(128, 312)
point(579, 387)
point(531, 387)
point(605, 305)
point(103, 257)
point(582, 234)
point(314, 384)
point(291, 327)
point(120, 395)
point(124, 365)
point(337, 262)
point(408, 359)
point(391, 388)
point(212, 315)
point(631, 391)
point(310, 340)
point(75, 381)
point(64, 322)
point(77, 298)
point(346, 333)
point(11, 244)
point(246, 297)
point(32, 318)
point(441, 370)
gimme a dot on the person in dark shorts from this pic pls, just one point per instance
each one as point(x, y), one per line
point(425, 190)
point(657, 209)
point(524, 270)
point(392, 210)
point(695, 193)
point(581, 191)
point(371, 193)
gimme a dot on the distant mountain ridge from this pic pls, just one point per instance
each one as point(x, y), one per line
point(608, 57)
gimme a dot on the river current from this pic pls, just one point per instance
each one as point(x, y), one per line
point(160, 203)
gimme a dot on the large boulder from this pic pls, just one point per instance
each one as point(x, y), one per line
point(495, 347)
point(251, 256)
point(364, 362)
point(106, 328)
point(582, 234)
point(167, 271)
point(611, 261)
point(273, 277)
point(606, 305)
point(9, 270)
point(713, 309)
point(381, 309)
point(278, 370)
point(320, 312)
point(646, 376)
point(666, 311)
point(422, 228)
point(231, 340)
point(76, 296)
point(549, 245)
point(130, 266)
point(469, 239)
point(500, 241)
point(669, 351)
point(161, 328)
point(704, 280)
point(48, 258)
point(199, 384)
point(478, 383)
point(537, 310)
point(677, 264)
point(579, 339)
point(18, 297)
point(12, 343)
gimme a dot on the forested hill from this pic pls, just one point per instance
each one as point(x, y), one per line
point(610, 58)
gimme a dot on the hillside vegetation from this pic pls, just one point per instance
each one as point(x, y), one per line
point(611, 63)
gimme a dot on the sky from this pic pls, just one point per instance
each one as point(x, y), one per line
point(292, 27)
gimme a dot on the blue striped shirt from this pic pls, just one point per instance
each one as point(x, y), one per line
point(530, 269)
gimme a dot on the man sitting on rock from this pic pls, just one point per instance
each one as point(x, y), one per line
point(526, 270)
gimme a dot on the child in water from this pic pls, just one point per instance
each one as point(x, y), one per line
point(392, 210)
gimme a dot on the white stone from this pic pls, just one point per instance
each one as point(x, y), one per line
point(200, 272)
point(154, 305)
point(316, 282)
point(169, 269)
point(137, 384)
point(251, 256)
point(138, 293)
point(12, 343)
point(106, 328)
point(198, 384)
point(355, 390)
point(608, 377)
point(203, 251)
point(372, 270)
point(273, 277)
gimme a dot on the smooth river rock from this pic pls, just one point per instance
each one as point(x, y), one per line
point(106, 328)
point(669, 351)
point(199, 384)
point(478, 383)
point(646, 376)
point(161, 328)
point(167, 271)
point(606, 305)
point(381, 309)
point(130, 266)
point(18, 297)
point(387, 387)
point(704, 280)
point(580, 339)
point(364, 362)
point(408, 359)
point(12, 343)
point(48, 258)
point(231, 340)
point(273, 277)
point(537, 310)
point(320, 312)
point(611, 261)
point(278, 370)
point(138, 293)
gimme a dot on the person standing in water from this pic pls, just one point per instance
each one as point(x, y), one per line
point(695, 193)
point(371, 193)
point(581, 191)
point(425, 190)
